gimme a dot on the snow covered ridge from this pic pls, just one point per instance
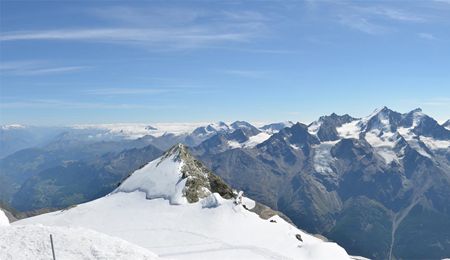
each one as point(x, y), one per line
point(176, 176)
point(210, 221)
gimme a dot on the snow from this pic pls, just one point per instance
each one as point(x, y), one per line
point(219, 126)
point(3, 219)
point(251, 142)
point(388, 155)
point(256, 139)
point(212, 201)
point(381, 139)
point(418, 115)
point(234, 144)
point(412, 140)
point(293, 146)
point(249, 203)
point(33, 242)
point(314, 127)
point(192, 231)
point(350, 130)
point(323, 158)
point(434, 144)
point(383, 143)
point(161, 178)
point(273, 127)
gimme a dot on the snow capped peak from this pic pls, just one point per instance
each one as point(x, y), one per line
point(275, 127)
point(241, 124)
point(176, 176)
point(211, 129)
point(217, 126)
point(325, 128)
point(382, 119)
point(379, 112)
point(417, 110)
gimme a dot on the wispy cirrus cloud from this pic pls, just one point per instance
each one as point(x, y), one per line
point(126, 91)
point(245, 73)
point(438, 102)
point(144, 91)
point(35, 68)
point(391, 13)
point(362, 24)
point(156, 29)
point(375, 19)
point(177, 38)
point(427, 36)
point(65, 104)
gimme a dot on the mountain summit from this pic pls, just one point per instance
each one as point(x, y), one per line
point(176, 176)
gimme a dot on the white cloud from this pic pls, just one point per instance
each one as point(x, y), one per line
point(132, 91)
point(375, 19)
point(64, 104)
point(183, 38)
point(391, 13)
point(426, 36)
point(35, 68)
point(246, 73)
point(167, 28)
point(362, 24)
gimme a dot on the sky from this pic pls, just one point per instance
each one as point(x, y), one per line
point(75, 62)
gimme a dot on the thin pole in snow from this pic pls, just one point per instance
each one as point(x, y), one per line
point(53, 249)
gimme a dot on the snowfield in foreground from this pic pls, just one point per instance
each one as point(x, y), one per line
point(191, 231)
point(150, 209)
point(33, 242)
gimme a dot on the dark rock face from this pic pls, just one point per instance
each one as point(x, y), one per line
point(199, 179)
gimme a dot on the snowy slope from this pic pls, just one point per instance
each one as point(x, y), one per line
point(251, 142)
point(158, 179)
point(142, 212)
point(33, 242)
point(191, 231)
point(3, 219)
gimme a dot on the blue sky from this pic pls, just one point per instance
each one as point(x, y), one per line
point(67, 62)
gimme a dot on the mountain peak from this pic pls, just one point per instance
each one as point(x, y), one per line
point(382, 119)
point(446, 124)
point(178, 151)
point(380, 111)
point(417, 110)
point(177, 176)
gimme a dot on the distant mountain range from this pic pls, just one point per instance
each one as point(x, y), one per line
point(378, 185)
